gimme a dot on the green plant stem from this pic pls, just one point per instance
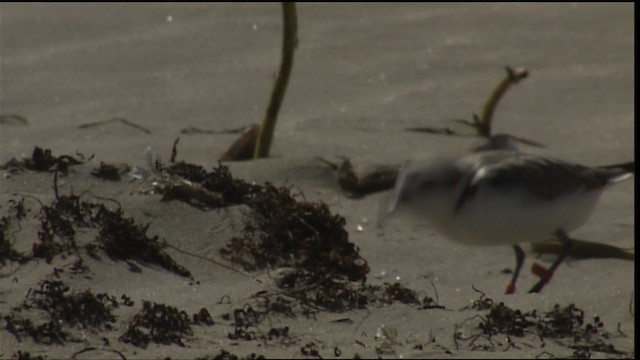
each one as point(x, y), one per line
point(290, 39)
point(483, 124)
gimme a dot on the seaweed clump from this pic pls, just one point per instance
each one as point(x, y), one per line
point(17, 212)
point(47, 333)
point(162, 324)
point(284, 231)
point(59, 221)
point(120, 237)
point(19, 355)
point(226, 355)
point(561, 323)
point(42, 160)
point(83, 309)
point(501, 319)
point(389, 293)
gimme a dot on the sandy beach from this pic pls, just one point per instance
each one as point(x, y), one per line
point(115, 83)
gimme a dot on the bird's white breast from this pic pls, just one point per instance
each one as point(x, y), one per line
point(514, 216)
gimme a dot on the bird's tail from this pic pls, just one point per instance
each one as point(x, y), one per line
point(621, 171)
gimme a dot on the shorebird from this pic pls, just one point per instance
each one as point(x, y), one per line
point(505, 197)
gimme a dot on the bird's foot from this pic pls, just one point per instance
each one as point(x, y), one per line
point(544, 275)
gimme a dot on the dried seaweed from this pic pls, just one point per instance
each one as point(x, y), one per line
point(162, 324)
point(58, 221)
point(562, 323)
point(225, 355)
point(120, 237)
point(47, 333)
point(243, 319)
point(503, 320)
point(16, 212)
point(275, 333)
point(398, 292)
point(110, 172)
point(123, 239)
point(283, 230)
point(26, 356)
point(311, 350)
point(202, 317)
point(288, 233)
point(83, 309)
point(42, 160)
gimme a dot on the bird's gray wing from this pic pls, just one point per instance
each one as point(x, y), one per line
point(543, 177)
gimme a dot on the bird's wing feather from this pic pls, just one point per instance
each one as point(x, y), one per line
point(543, 177)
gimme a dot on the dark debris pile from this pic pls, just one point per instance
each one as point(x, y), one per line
point(8, 225)
point(43, 160)
point(389, 293)
point(284, 231)
point(47, 333)
point(81, 309)
point(25, 355)
point(247, 319)
point(162, 324)
point(226, 355)
point(501, 319)
point(562, 323)
point(120, 237)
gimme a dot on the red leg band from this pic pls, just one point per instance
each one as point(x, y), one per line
point(541, 272)
point(511, 288)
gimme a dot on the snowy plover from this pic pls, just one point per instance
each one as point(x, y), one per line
point(496, 197)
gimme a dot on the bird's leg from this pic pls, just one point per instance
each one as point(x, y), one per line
point(511, 288)
point(546, 274)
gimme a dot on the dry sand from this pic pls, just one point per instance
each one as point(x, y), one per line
point(362, 73)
